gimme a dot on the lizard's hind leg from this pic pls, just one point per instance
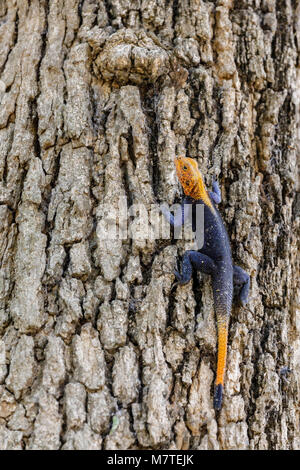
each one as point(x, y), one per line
point(194, 259)
point(241, 284)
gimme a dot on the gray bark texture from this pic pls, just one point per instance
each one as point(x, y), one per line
point(98, 349)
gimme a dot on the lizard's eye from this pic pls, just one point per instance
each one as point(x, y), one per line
point(184, 167)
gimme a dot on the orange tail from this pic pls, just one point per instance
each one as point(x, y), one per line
point(222, 353)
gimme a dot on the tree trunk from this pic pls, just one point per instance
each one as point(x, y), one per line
point(98, 349)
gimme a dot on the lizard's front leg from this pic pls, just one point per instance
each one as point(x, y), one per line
point(194, 259)
point(215, 194)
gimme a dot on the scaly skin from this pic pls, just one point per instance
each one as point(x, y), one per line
point(213, 258)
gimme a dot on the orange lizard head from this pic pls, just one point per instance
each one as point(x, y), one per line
point(191, 179)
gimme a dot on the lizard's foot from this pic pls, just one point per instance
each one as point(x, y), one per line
point(180, 280)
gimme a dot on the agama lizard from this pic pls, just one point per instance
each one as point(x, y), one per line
point(213, 258)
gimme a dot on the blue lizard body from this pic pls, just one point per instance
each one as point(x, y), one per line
point(213, 258)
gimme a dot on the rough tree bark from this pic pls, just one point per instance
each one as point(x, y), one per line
point(97, 349)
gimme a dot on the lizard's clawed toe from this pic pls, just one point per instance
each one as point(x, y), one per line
point(244, 300)
point(178, 276)
point(180, 279)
